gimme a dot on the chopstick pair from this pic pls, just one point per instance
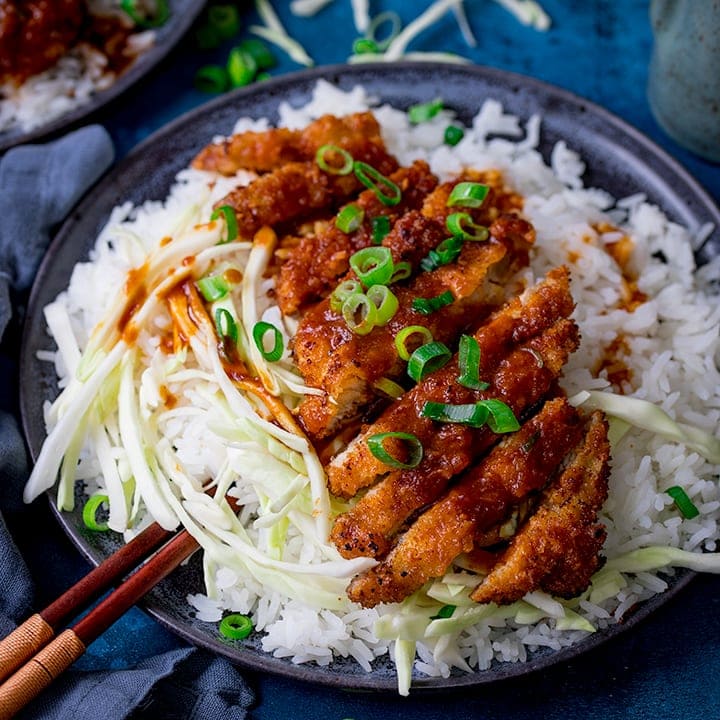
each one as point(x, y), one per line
point(32, 656)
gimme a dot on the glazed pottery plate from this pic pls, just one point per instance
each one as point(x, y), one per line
point(183, 13)
point(618, 159)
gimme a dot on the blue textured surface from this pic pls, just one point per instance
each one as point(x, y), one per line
point(668, 667)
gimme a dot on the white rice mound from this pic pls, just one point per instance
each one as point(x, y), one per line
point(70, 83)
point(673, 340)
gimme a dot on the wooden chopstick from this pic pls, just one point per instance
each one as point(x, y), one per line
point(34, 676)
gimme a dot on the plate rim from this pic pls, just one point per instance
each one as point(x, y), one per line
point(309, 672)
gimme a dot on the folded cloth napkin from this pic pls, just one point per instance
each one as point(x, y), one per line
point(39, 184)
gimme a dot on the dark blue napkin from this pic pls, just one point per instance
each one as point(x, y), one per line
point(39, 184)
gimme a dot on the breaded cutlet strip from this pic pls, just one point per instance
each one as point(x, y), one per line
point(346, 365)
point(558, 548)
point(482, 497)
point(318, 261)
point(519, 320)
point(270, 149)
point(297, 190)
point(521, 380)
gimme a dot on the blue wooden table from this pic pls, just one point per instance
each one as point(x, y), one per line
point(667, 667)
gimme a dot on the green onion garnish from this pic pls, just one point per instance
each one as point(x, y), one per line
point(684, 504)
point(402, 271)
point(213, 287)
point(461, 225)
point(444, 612)
point(225, 325)
point(360, 313)
point(380, 228)
point(142, 18)
point(349, 218)
point(90, 511)
point(446, 252)
point(378, 183)
point(469, 364)
point(502, 419)
point(426, 359)
point(260, 53)
point(365, 46)
point(468, 194)
point(324, 156)
point(453, 135)
point(401, 339)
point(231, 225)
point(241, 67)
point(495, 413)
point(410, 447)
point(427, 306)
point(424, 111)
point(260, 330)
point(373, 265)
point(224, 19)
point(385, 302)
point(236, 626)
point(342, 292)
point(211, 79)
point(389, 387)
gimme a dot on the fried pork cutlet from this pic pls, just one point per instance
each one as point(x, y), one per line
point(557, 550)
point(521, 380)
point(481, 498)
point(347, 365)
point(318, 261)
point(271, 149)
point(519, 320)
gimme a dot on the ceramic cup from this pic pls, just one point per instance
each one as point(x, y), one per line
point(684, 78)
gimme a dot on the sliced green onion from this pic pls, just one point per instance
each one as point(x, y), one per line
point(323, 161)
point(236, 626)
point(423, 112)
point(684, 504)
point(453, 135)
point(502, 419)
point(260, 52)
point(231, 225)
point(428, 358)
point(213, 287)
point(389, 387)
point(468, 194)
point(427, 306)
point(444, 612)
point(461, 225)
point(385, 301)
point(401, 339)
point(349, 218)
point(364, 46)
point(342, 292)
point(360, 313)
point(90, 512)
point(262, 76)
point(411, 449)
point(402, 271)
point(142, 18)
point(378, 183)
point(260, 330)
point(224, 19)
point(211, 79)
point(225, 325)
point(381, 18)
point(469, 364)
point(373, 265)
point(380, 228)
point(241, 67)
point(445, 253)
point(471, 414)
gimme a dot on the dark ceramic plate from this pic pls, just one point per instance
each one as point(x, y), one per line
point(618, 158)
point(183, 14)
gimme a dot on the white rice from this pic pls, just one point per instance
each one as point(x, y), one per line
point(673, 340)
point(72, 82)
